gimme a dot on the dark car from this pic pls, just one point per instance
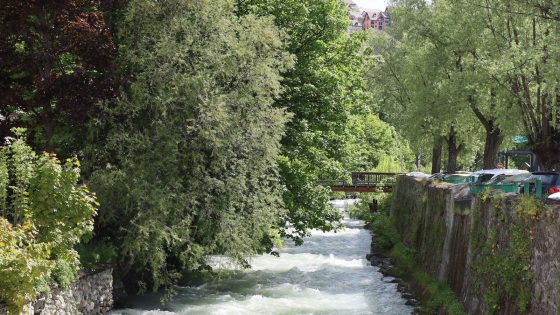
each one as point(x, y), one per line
point(550, 181)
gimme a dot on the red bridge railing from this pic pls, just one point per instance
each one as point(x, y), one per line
point(365, 182)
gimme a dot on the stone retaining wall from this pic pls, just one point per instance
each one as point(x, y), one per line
point(91, 294)
point(496, 258)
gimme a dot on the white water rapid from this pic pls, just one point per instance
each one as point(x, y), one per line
point(328, 274)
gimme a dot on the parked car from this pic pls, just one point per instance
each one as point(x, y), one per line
point(483, 176)
point(418, 174)
point(458, 177)
point(509, 183)
point(504, 179)
point(550, 181)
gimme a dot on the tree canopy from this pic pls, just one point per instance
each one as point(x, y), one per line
point(453, 69)
point(57, 62)
point(189, 165)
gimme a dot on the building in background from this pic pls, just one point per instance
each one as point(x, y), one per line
point(366, 19)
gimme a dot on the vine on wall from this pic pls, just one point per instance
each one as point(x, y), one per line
point(502, 255)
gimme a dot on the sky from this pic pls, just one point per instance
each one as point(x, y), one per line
point(371, 4)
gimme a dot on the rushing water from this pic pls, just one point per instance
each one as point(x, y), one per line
point(327, 275)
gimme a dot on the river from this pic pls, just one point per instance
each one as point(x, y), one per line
point(328, 274)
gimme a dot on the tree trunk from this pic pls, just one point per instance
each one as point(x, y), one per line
point(48, 129)
point(494, 135)
point(452, 159)
point(453, 150)
point(548, 156)
point(494, 139)
point(436, 155)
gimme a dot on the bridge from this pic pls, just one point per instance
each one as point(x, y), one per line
point(365, 182)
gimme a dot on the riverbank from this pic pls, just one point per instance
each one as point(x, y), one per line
point(498, 253)
point(91, 293)
point(395, 261)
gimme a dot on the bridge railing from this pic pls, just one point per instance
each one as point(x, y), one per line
point(365, 179)
point(374, 178)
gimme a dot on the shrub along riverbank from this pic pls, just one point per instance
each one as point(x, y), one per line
point(43, 215)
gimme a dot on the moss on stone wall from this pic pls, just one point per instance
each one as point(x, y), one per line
point(496, 234)
point(417, 223)
point(502, 259)
point(502, 249)
point(435, 295)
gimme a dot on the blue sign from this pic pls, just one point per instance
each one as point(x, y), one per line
point(520, 139)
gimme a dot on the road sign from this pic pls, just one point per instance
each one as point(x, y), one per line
point(520, 139)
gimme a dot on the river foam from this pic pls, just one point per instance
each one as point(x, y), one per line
point(327, 275)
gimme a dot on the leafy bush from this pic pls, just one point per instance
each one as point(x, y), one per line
point(24, 265)
point(95, 253)
point(43, 214)
point(386, 235)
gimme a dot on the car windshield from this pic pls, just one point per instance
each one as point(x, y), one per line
point(546, 179)
point(438, 175)
point(496, 180)
point(515, 178)
point(484, 178)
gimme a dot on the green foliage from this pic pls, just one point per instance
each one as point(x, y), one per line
point(530, 206)
point(324, 92)
point(439, 82)
point(440, 295)
point(97, 253)
point(25, 266)
point(186, 163)
point(64, 270)
point(386, 235)
point(402, 257)
point(374, 145)
point(435, 294)
point(387, 164)
point(503, 268)
point(472, 66)
point(44, 214)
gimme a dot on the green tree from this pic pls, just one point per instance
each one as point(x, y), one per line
point(189, 166)
point(521, 55)
point(442, 87)
point(374, 142)
point(321, 91)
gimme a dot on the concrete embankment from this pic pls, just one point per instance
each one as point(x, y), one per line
point(499, 253)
